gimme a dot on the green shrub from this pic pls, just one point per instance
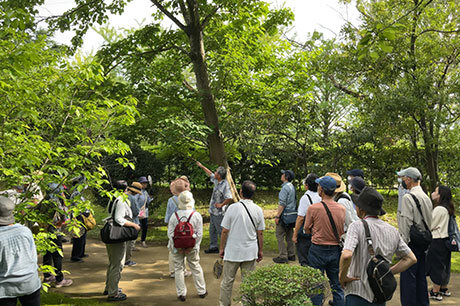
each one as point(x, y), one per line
point(282, 285)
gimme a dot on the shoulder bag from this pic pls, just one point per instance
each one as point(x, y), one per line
point(112, 232)
point(379, 275)
point(334, 227)
point(420, 237)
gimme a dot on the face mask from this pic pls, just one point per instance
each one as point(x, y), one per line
point(349, 178)
point(349, 186)
point(404, 185)
point(400, 180)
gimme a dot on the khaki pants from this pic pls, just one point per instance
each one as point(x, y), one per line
point(171, 262)
point(284, 236)
point(193, 259)
point(229, 273)
point(116, 254)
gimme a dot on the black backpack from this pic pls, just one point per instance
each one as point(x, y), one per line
point(420, 237)
point(380, 277)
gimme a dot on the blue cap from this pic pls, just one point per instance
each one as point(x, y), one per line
point(356, 172)
point(327, 183)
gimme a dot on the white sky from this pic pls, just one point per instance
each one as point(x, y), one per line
point(326, 16)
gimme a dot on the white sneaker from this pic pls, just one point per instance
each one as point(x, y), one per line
point(187, 273)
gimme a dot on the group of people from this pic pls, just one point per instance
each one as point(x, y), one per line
point(327, 234)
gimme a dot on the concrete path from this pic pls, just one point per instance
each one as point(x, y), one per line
point(148, 283)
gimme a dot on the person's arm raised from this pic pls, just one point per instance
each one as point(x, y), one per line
point(208, 172)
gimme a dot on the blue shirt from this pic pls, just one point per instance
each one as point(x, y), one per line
point(220, 193)
point(18, 262)
point(287, 196)
point(141, 200)
point(172, 207)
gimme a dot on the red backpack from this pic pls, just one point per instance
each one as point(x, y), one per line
point(183, 234)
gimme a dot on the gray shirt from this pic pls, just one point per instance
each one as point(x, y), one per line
point(220, 193)
point(287, 196)
point(386, 242)
point(18, 262)
point(409, 213)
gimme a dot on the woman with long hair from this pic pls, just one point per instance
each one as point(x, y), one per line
point(439, 256)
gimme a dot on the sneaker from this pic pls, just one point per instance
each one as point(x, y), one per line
point(144, 245)
point(76, 260)
point(202, 296)
point(119, 297)
point(291, 258)
point(130, 263)
point(181, 298)
point(63, 283)
point(187, 273)
point(435, 295)
point(280, 260)
point(107, 293)
point(445, 292)
point(50, 279)
point(212, 251)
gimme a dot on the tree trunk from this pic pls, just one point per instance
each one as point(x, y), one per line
point(211, 119)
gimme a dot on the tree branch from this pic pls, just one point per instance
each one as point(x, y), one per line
point(438, 31)
point(189, 87)
point(169, 15)
point(345, 89)
point(206, 19)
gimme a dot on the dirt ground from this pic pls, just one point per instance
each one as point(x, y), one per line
point(148, 283)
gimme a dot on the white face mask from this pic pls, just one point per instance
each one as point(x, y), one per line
point(400, 180)
point(349, 186)
point(349, 178)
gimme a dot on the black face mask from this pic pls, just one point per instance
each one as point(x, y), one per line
point(404, 185)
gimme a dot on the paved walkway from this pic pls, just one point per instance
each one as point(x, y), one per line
point(148, 283)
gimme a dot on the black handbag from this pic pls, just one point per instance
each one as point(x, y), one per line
point(420, 237)
point(379, 275)
point(112, 232)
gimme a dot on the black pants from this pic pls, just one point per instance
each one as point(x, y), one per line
point(78, 248)
point(55, 260)
point(303, 247)
point(26, 300)
point(144, 227)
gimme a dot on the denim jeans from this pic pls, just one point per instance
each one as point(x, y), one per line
point(413, 284)
point(355, 300)
point(326, 258)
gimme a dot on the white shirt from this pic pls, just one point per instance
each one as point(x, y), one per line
point(305, 202)
point(350, 214)
point(122, 209)
point(440, 222)
point(242, 237)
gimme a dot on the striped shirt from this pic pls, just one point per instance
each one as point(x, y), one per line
point(386, 242)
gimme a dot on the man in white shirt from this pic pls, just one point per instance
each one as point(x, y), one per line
point(241, 243)
point(343, 198)
point(301, 239)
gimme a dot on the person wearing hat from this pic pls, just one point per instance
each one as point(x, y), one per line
point(325, 249)
point(120, 209)
point(143, 200)
point(19, 278)
point(343, 198)
point(414, 288)
point(302, 240)
point(186, 210)
point(221, 196)
point(176, 187)
point(357, 184)
point(133, 198)
point(355, 173)
point(355, 255)
point(287, 200)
